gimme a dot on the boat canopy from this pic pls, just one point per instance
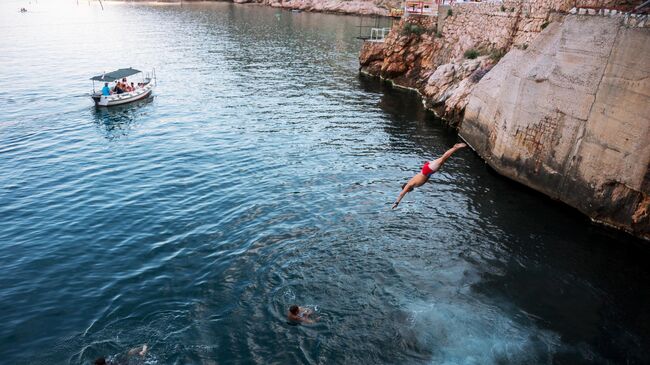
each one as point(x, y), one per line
point(116, 75)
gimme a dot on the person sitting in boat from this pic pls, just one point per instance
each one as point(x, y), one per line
point(106, 91)
point(132, 86)
point(125, 85)
point(117, 89)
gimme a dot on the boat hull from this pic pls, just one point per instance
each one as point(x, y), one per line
point(125, 98)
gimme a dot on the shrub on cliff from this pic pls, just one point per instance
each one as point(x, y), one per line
point(449, 12)
point(471, 53)
point(497, 54)
point(410, 28)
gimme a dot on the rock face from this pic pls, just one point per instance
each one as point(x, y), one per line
point(430, 53)
point(570, 117)
point(362, 7)
point(566, 111)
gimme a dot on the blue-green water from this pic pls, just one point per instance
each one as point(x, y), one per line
point(260, 175)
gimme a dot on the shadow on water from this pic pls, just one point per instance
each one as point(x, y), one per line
point(117, 121)
point(410, 123)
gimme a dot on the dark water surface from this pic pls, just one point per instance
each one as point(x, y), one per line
point(261, 175)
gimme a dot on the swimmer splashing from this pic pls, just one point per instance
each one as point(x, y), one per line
point(429, 168)
point(298, 314)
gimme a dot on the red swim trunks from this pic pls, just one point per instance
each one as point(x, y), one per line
point(426, 170)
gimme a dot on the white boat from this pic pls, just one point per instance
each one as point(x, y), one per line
point(145, 84)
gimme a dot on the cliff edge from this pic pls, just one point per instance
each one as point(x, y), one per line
point(570, 116)
point(444, 56)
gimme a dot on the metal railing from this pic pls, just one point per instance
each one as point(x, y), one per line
point(378, 34)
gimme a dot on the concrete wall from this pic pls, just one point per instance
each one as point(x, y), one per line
point(570, 117)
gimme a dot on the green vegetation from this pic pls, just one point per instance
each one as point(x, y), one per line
point(449, 12)
point(497, 54)
point(438, 34)
point(410, 28)
point(545, 24)
point(524, 46)
point(503, 8)
point(471, 53)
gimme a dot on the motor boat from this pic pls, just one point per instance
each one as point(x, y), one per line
point(145, 84)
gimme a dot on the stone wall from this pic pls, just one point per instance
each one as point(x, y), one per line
point(570, 117)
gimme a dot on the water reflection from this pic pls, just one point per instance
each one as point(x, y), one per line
point(409, 120)
point(118, 121)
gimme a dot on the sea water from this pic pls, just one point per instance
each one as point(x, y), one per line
point(260, 175)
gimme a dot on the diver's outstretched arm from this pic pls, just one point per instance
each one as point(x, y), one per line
point(404, 191)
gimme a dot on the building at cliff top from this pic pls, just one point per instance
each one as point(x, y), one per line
point(431, 7)
point(416, 7)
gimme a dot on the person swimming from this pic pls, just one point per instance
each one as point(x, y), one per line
point(140, 351)
point(429, 168)
point(300, 314)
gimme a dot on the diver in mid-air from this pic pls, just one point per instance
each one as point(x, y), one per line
point(429, 168)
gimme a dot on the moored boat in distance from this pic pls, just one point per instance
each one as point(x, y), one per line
point(120, 89)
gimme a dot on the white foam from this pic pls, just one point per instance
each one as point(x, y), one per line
point(465, 332)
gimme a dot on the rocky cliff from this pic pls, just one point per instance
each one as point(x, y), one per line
point(552, 95)
point(362, 7)
point(443, 57)
point(570, 117)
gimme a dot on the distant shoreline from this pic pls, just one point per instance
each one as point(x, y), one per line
point(353, 7)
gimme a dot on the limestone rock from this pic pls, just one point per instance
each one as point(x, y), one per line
point(569, 117)
point(564, 112)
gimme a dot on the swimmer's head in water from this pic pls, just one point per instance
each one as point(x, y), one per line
point(410, 187)
point(294, 309)
point(100, 361)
